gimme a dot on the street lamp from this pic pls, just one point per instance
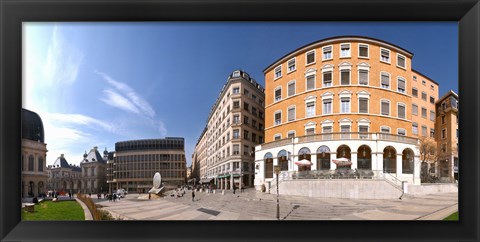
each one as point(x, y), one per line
point(276, 169)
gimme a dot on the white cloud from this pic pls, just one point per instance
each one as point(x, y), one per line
point(80, 119)
point(63, 60)
point(127, 94)
point(114, 99)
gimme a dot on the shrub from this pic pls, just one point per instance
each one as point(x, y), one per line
point(97, 214)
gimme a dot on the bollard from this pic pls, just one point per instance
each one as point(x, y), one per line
point(223, 192)
point(214, 191)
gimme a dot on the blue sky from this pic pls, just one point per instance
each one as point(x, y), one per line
point(95, 84)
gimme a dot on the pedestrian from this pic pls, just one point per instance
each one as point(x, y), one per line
point(193, 195)
point(89, 194)
point(114, 197)
point(149, 196)
point(243, 187)
point(234, 188)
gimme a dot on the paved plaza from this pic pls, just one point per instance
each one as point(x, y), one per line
point(253, 205)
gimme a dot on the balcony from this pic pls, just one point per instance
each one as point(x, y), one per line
point(341, 136)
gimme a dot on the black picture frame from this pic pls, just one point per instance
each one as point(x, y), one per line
point(14, 12)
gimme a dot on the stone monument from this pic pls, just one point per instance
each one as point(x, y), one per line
point(157, 184)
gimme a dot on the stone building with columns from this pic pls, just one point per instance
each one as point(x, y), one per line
point(351, 97)
point(34, 155)
point(64, 177)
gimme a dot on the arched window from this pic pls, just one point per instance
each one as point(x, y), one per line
point(364, 157)
point(40, 164)
point(389, 159)
point(323, 158)
point(283, 160)
point(268, 158)
point(31, 163)
point(407, 161)
point(304, 154)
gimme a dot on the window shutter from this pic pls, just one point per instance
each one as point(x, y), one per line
point(327, 129)
point(363, 77)
point(401, 111)
point(401, 84)
point(385, 79)
point(327, 77)
point(363, 107)
point(345, 128)
point(310, 82)
point(291, 114)
point(291, 89)
point(345, 77)
point(385, 108)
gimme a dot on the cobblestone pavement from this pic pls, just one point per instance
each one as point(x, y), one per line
point(254, 205)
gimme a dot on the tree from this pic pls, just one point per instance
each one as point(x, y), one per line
point(428, 154)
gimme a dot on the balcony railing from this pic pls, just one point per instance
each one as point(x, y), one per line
point(342, 136)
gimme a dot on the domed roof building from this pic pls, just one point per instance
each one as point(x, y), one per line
point(34, 155)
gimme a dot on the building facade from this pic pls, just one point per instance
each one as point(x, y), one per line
point(224, 151)
point(64, 177)
point(447, 137)
point(94, 166)
point(346, 97)
point(34, 155)
point(135, 162)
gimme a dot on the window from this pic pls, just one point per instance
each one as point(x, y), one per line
point(310, 131)
point(236, 104)
point(277, 137)
point(363, 105)
point(236, 149)
point(30, 163)
point(414, 109)
point(40, 164)
point(278, 117)
point(444, 147)
point(401, 85)
point(363, 77)
point(363, 130)
point(254, 111)
point(327, 79)
point(385, 129)
point(245, 106)
point(385, 80)
point(432, 133)
point(345, 77)
point(291, 65)
point(414, 128)
point(345, 50)
point(291, 88)
point(345, 105)
point(310, 82)
point(260, 114)
point(245, 92)
point(236, 74)
point(402, 132)
point(245, 120)
point(432, 115)
point(363, 51)
point(310, 109)
point(414, 92)
point(401, 61)
point(443, 119)
point(236, 119)
point(345, 129)
point(236, 90)
point(424, 82)
point(291, 134)
point(310, 57)
point(385, 107)
point(245, 134)
point(327, 106)
point(401, 110)
point(384, 55)
point(278, 72)
point(424, 96)
point(291, 113)
point(444, 133)
point(432, 100)
point(327, 53)
point(424, 131)
point(278, 94)
point(415, 78)
point(432, 87)
point(236, 134)
point(327, 129)
point(424, 112)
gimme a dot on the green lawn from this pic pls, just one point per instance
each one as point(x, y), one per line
point(48, 210)
point(453, 216)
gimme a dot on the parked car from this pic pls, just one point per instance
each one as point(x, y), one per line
point(121, 193)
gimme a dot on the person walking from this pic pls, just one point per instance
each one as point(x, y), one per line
point(234, 188)
point(193, 195)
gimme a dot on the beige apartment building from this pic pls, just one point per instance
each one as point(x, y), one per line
point(225, 150)
point(350, 97)
point(447, 137)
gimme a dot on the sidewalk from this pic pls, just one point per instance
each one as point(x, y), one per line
point(254, 205)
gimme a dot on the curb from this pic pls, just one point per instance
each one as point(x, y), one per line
point(440, 214)
point(88, 215)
